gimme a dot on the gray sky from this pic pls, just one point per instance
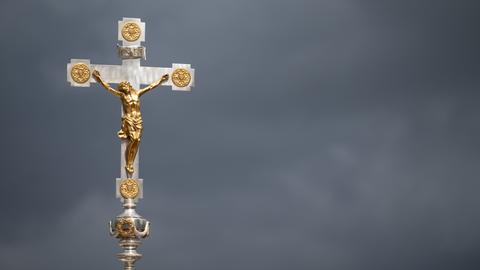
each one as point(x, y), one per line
point(332, 134)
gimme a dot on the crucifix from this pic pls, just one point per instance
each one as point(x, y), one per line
point(129, 227)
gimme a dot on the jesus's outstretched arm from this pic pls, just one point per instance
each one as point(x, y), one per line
point(107, 86)
point(153, 85)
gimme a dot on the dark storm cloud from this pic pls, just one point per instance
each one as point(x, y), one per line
point(320, 135)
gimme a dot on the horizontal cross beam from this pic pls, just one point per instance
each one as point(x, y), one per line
point(181, 76)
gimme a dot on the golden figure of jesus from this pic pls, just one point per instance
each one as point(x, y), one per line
point(132, 123)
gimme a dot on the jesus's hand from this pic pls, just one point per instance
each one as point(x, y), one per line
point(96, 74)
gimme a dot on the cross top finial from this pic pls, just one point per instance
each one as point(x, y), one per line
point(131, 31)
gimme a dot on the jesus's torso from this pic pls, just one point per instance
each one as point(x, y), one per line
point(131, 104)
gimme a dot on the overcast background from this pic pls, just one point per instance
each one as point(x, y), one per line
point(333, 134)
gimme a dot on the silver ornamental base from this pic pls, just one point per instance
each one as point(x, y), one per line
point(130, 228)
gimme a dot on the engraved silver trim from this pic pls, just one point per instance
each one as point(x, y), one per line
point(129, 52)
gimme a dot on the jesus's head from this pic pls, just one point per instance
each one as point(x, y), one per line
point(124, 87)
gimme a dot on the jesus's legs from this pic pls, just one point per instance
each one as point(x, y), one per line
point(131, 153)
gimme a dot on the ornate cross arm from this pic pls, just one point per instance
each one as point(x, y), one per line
point(181, 77)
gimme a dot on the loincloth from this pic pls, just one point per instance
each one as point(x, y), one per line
point(132, 126)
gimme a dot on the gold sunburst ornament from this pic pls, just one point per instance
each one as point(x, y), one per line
point(80, 73)
point(129, 188)
point(125, 227)
point(131, 31)
point(181, 77)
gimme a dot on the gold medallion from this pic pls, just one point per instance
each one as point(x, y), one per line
point(131, 31)
point(80, 73)
point(181, 77)
point(129, 188)
point(125, 227)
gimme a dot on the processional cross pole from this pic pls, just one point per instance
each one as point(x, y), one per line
point(129, 227)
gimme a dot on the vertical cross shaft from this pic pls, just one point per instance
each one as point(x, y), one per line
point(129, 227)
